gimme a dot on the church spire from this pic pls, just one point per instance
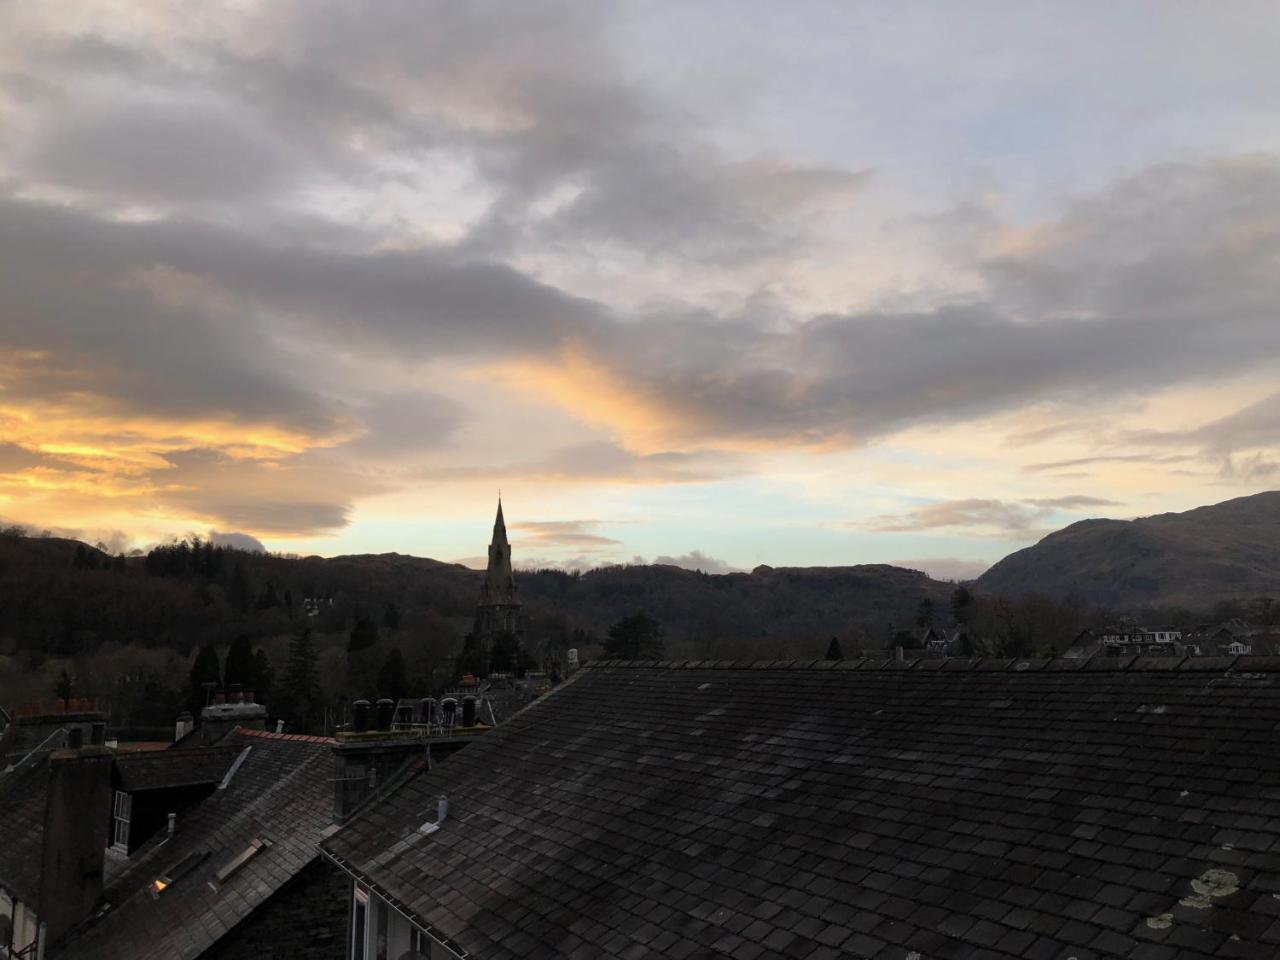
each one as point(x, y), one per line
point(499, 581)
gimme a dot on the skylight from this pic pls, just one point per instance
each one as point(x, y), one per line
point(175, 873)
point(256, 846)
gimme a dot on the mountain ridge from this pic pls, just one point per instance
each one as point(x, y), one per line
point(1227, 550)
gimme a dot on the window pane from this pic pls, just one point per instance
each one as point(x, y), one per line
point(383, 920)
point(357, 930)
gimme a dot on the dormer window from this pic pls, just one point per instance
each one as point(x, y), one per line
point(121, 814)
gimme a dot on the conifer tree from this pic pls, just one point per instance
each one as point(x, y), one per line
point(637, 637)
point(392, 679)
point(300, 688)
point(239, 667)
point(833, 650)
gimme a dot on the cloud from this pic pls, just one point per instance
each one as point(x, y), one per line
point(1007, 516)
point(157, 151)
point(234, 249)
point(570, 533)
point(240, 541)
point(960, 513)
point(697, 560)
point(1147, 458)
point(1072, 502)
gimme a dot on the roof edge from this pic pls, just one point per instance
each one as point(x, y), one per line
point(1097, 663)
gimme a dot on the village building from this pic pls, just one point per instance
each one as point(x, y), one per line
point(1133, 641)
point(1111, 807)
point(207, 849)
point(941, 642)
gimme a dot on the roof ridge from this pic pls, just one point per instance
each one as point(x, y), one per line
point(1097, 663)
point(272, 735)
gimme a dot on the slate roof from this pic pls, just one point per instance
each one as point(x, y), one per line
point(280, 792)
point(940, 810)
point(162, 769)
point(23, 795)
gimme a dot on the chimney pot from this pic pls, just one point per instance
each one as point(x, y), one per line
point(360, 716)
point(248, 697)
point(385, 712)
point(442, 809)
point(279, 726)
point(173, 820)
point(219, 698)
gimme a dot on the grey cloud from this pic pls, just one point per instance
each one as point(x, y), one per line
point(1168, 273)
point(160, 150)
point(1072, 502)
point(972, 512)
point(297, 497)
point(1146, 458)
point(532, 97)
point(571, 533)
point(1012, 516)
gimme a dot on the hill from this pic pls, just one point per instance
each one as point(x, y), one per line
point(64, 599)
point(1227, 550)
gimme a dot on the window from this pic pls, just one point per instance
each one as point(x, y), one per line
point(359, 923)
point(419, 942)
point(383, 923)
point(120, 821)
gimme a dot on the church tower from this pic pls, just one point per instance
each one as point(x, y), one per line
point(498, 609)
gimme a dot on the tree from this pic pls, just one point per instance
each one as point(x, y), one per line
point(363, 635)
point(205, 671)
point(833, 650)
point(961, 602)
point(504, 655)
point(924, 614)
point(263, 675)
point(62, 688)
point(300, 688)
point(239, 665)
point(392, 681)
point(637, 637)
point(239, 587)
point(470, 660)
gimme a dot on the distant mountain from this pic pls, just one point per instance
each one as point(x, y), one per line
point(1191, 559)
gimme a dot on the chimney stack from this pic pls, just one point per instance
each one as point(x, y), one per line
point(76, 820)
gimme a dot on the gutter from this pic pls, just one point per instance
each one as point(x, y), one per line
point(453, 947)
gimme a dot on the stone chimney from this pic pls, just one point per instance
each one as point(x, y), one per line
point(220, 718)
point(76, 821)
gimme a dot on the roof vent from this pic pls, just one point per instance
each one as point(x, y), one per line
point(442, 814)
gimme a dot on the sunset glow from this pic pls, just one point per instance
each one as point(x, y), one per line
point(706, 281)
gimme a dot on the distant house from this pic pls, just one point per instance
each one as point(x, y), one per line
point(937, 808)
point(1234, 637)
point(1131, 641)
point(939, 642)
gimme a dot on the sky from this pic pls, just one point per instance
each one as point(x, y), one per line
point(718, 284)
